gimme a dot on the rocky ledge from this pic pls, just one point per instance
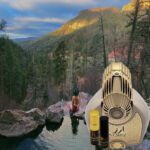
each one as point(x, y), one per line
point(17, 123)
point(55, 113)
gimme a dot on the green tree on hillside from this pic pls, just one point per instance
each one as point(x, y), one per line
point(38, 68)
point(60, 66)
point(60, 63)
point(133, 18)
point(13, 75)
point(139, 21)
point(103, 41)
point(143, 39)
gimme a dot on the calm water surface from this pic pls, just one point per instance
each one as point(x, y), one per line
point(71, 135)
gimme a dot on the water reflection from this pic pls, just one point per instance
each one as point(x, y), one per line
point(98, 148)
point(74, 124)
point(148, 128)
point(13, 143)
point(53, 126)
point(62, 139)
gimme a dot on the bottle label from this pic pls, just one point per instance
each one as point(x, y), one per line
point(94, 120)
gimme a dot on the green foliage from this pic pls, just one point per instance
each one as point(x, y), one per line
point(76, 52)
point(60, 63)
point(38, 71)
point(139, 40)
point(143, 27)
point(13, 74)
point(82, 37)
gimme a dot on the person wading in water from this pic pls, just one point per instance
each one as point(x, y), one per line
point(75, 100)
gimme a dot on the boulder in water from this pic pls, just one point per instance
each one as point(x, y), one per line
point(17, 123)
point(37, 115)
point(55, 113)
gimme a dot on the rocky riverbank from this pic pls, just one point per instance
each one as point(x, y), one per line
point(18, 123)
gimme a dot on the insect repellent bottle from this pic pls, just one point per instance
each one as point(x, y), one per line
point(94, 127)
point(104, 132)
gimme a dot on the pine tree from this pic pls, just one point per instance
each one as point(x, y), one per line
point(60, 66)
point(13, 76)
point(139, 21)
point(60, 63)
point(143, 40)
point(133, 18)
point(103, 41)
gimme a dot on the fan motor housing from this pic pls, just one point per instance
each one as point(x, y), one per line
point(117, 93)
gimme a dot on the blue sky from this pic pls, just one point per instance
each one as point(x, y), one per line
point(34, 18)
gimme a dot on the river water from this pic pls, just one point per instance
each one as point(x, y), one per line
point(71, 134)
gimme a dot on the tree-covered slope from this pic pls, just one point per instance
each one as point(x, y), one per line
point(80, 61)
point(83, 28)
point(83, 50)
point(13, 71)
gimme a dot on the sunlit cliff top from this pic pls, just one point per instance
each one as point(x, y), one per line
point(145, 4)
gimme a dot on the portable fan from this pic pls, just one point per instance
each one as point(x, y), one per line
point(128, 113)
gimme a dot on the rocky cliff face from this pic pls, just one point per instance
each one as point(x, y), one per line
point(73, 26)
point(145, 4)
point(18, 123)
point(85, 18)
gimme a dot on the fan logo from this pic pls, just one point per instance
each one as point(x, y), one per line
point(119, 132)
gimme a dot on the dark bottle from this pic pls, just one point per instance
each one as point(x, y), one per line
point(94, 127)
point(104, 132)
